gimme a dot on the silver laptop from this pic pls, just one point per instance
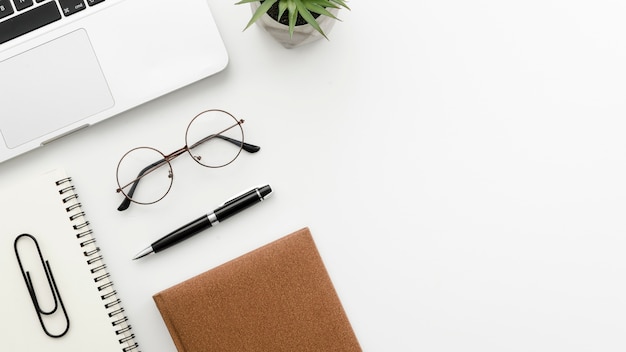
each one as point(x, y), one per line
point(67, 64)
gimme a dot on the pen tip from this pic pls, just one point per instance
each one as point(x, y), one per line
point(144, 253)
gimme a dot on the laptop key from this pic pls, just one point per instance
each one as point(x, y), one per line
point(5, 8)
point(70, 7)
point(29, 21)
point(22, 4)
point(93, 2)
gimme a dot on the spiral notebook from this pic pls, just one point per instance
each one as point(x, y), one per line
point(56, 292)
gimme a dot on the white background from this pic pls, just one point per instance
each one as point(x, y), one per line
point(460, 164)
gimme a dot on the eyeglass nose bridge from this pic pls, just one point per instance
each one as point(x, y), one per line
point(176, 154)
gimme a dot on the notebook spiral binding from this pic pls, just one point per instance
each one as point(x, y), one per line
point(97, 266)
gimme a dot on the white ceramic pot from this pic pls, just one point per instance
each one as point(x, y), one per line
point(302, 34)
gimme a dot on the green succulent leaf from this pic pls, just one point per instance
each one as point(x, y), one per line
point(260, 11)
point(293, 15)
point(321, 10)
point(308, 17)
point(341, 3)
point(323, 3)
point(282, 7)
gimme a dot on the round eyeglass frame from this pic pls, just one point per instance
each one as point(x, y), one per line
point(188, 148)
point(133, 184)
point(128, 196)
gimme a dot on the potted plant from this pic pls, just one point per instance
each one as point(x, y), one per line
point(295, 22)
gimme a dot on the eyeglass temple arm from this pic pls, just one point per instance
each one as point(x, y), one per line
point(126, 202)
point(250, 148)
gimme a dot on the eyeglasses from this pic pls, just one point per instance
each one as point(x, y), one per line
point(214, 139)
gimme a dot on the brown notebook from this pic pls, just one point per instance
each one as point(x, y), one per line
point(276, 298)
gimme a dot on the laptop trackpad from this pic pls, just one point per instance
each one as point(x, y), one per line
point(52, 86)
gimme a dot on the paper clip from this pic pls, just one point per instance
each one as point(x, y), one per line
point(54, 290)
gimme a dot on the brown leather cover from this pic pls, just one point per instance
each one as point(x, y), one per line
point(276, 298)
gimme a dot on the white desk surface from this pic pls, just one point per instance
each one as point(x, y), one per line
point(461, 165)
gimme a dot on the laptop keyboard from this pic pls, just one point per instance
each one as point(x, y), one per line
point(18, 17)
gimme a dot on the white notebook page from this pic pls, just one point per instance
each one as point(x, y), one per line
point(37, 208)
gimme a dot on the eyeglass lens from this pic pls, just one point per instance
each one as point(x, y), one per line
point(214, 138)
point(149, 166)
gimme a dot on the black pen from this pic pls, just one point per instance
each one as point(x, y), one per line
point(222, 213)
